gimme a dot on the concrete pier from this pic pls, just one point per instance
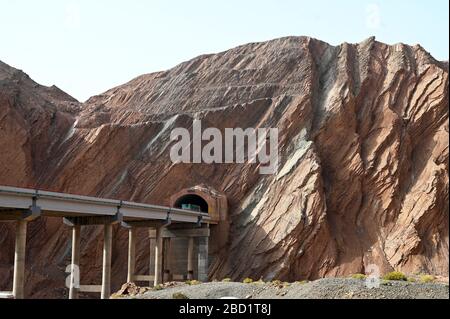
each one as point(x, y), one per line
point(19, 260)
point(158, 257)
point(152, 256)
point(131, 254)
point(190, 266)
point(107, 252)
point(202, 259)
point(166, 260)
point(75, 265)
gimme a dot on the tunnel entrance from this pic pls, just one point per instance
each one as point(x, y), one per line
point(210, 201)
point(192, 202)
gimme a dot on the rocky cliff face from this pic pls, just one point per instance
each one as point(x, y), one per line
point(363, 178)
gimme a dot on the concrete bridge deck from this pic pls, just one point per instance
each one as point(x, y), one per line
point(66, 205)
point(22, 205)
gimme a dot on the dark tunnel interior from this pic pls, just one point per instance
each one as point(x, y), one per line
point(192, 199)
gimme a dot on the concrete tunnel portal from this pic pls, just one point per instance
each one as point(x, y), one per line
point(205, 199)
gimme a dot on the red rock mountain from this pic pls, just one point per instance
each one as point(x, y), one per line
point(363, 173)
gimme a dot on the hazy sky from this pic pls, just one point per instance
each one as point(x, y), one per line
point(88, 46)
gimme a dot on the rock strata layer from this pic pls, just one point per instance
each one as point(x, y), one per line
point(363, 143)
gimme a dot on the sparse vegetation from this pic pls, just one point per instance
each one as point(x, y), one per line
point(395, 276)
point(302, 282)
point(179, 295)
point(193, 282)
point(359, 276)
point(411, 279)
point(248, 281)
point(226, 280)
point(427, 278)
point(277, 282)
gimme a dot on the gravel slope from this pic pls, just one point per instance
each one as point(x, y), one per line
point(329, 288)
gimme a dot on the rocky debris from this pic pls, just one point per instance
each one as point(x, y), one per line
point(329, 288)
point(363, 173)
point(130, 289)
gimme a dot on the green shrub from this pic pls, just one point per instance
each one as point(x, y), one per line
point(193, 282)
point(411, 279)
point(226, 280)
point(179, 295)
point(359, 276)
point(396, 276)
point(158, 287)
point(248, 281)
point(427, 278)
point(302, 282)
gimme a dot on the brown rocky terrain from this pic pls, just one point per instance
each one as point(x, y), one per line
point(326, 288)
point(363, 175)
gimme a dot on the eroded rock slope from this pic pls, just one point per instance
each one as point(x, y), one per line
point(363, 175)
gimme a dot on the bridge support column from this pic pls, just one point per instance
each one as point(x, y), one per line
point(158, 257)
point(203, 259)
point(190, 257)
point(107, 252)
point(19, 260)
point(76, 223)
point(131, 254)
point(152, 258)
point(166, 260)
point(75, 265)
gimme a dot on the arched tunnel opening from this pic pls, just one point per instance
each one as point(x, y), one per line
point(192, 202)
